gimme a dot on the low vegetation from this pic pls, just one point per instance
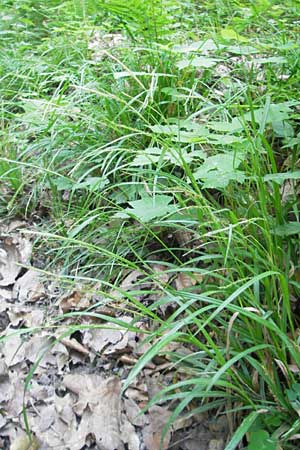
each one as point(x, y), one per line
point(165, 133)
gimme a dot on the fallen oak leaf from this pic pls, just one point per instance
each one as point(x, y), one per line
point(99, 404)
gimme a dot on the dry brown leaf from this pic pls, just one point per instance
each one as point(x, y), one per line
point(73, 301)
point(133, 413)
point(128, 435)
point(138, 395)
point(13, 226)
point(99, 43)
point(161, 274)
point(73, 344)
point(29, 288)
point(13, 350)
point(216, 444)
point(152, 433)
point(99, 405)
point(184, 280)
point(100, 338)
point(24, 442)
point(14, 251)
point(36, 346)
point(5, 293)
point(26, 314)
point(130, 280)
point(12, 389)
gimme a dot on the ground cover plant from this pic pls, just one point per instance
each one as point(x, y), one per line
point(160, 140)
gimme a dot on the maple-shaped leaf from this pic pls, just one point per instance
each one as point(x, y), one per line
point(148, 208)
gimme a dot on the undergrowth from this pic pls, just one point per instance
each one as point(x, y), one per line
point(125, 128)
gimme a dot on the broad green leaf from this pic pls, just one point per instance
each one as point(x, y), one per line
point(91, 183)
point(275, 113)
point(283, 129)
point(179, 134)
point(231, 35)
point(217, 171)
point(230, 127)
point(242, 49)
point(126, 74)
point(61, 183)
point(148, 208)
point(204, 46)
point(152, 155)
point(203, 62)
point(196, 133)
point(288, 229)
point(271, 59)
point(222, 179)
point(293, 395)
point(222, 139)
point(149, 155)
point(261, 440)
point(281, 177)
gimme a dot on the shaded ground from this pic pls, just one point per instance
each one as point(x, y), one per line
point(62, 372)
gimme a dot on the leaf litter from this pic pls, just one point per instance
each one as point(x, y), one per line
point(62, 380)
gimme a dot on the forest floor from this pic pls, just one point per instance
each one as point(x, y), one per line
point(61, 374)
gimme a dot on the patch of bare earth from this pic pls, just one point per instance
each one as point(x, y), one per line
point(61, 376)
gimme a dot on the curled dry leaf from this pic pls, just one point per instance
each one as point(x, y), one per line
point(73, 344)
point(14, 251)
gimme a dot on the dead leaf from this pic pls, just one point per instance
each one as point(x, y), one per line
point(128, 435)
point(29, 288)
point(133, 412)
point(74, 301)
point(14, 251)
point(99, 405)
point(13, 350)
point(160, 273)
point(152, 433)
point(216, 444)
point(183, 281)
point(24, 442)
point(5, 293)
point(129, 282)
point(73, 344)
point(99, 338)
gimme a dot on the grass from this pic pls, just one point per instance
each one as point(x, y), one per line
point(188, 126)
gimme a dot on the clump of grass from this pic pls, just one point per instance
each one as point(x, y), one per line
point(121, 153)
